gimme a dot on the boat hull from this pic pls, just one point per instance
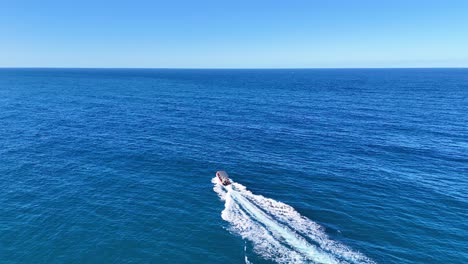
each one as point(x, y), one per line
point(223, 178)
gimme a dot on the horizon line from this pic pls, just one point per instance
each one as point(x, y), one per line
point(233, 68)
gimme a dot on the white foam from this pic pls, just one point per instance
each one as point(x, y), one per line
point(278, 232)
point(245, 254)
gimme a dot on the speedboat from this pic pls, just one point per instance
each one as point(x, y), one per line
point(223, 178)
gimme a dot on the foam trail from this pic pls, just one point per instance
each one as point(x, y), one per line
point(245, 254)
point(278, 232)
point(283, 232)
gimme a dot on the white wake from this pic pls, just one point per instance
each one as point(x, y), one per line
point(278, 232)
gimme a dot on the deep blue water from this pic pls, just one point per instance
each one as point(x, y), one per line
point(115, 166)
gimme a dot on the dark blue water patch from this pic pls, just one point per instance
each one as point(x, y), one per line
point(114, 165)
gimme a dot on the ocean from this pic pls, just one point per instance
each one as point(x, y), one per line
point(328, 166)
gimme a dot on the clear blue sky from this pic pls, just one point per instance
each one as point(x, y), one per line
point(233, 34)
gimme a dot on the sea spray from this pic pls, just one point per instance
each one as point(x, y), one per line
point(278, 232)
